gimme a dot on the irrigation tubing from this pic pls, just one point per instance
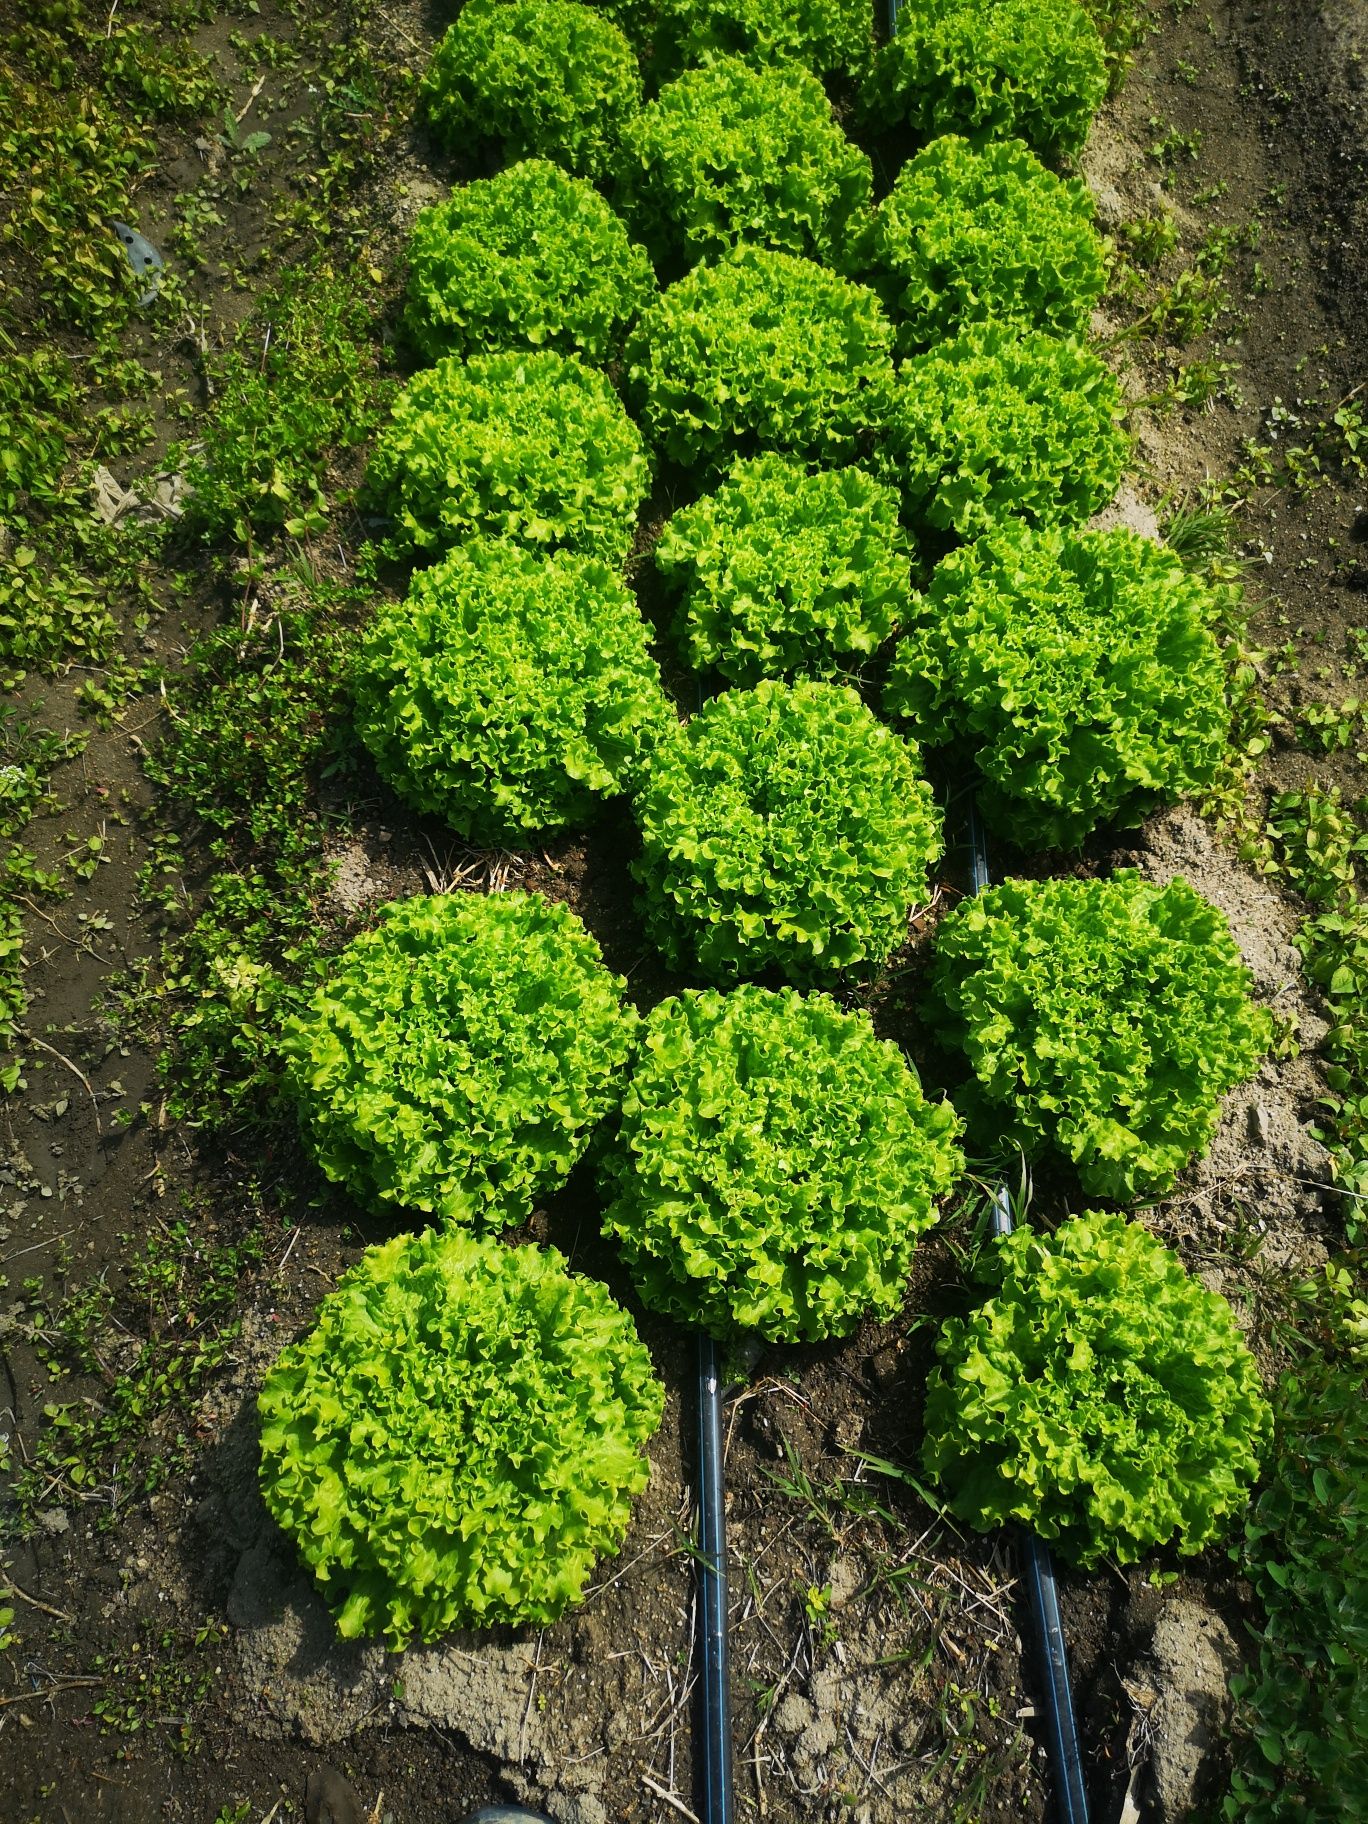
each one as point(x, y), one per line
point(712, 1592)
point(1041, 1588)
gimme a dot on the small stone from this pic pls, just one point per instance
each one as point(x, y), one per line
point(1259, 1123)
point(1110, 206)
point(515, 1814)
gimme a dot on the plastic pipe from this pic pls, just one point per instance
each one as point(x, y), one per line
point(712, 1592)
point(1041, 1588)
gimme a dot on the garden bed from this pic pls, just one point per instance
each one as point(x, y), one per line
point(167, 1654)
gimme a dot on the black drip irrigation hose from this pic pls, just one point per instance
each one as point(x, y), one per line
point(715, 1774)
point(1037, 1565)
point(712, 1592)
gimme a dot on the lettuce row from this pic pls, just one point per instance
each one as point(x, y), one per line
point(1102, 1018)
point(530, 258)
point(1000, 422)
point(784, 828)
point(967, 234)
point(458, 1439)
point(535, 447)
point(829, 37)
point(1082, 667)
point(991, 69)
point(732, 152)
point(1102, 1397)
point(541, 78)
point(508, 691)
point(774, 1164)
point(456, 1057)
point(782, 570)
point(761, 350)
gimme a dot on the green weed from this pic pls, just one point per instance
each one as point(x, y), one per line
point(1324, 728)
point(297, 388)
point(75, 156)
point(1148, 239)
point(173, 1303)
point(1303, 1705)
point(51, 611)
point(1316, 843)
point(1204, 536)
point(160, 77)
point(1169, 145)
point(156, 1686)
point(257, 715)
point(227, 987)
point(1124, 24)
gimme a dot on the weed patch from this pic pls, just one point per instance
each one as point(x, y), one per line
point(1303, 1705)
point(150, 1339)
point(297, 390)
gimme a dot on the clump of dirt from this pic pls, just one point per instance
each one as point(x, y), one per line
point(1179, 1685)
point(1263, 1153)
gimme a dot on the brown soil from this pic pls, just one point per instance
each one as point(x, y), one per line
point(912, 1694)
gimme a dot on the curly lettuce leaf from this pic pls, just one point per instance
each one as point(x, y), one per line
point(784, 828)
point(530, 446)
point(784, 571)
point(733, 152)
point(456, 1058)
point(761, 350)
point(773, 1165)
point(540, 78)
point(1034, 70)
point(1102, 1397)
point(1102, 1018)
point(1001, 423)
point(509, 692)
point(1079, 666)
point(458, 1439)
point(971, 233)
point(530, 258)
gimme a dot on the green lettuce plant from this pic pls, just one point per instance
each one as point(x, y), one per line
point(773, 1165)
point(782, 570)
point(1082, 668)
point(829, 37)
point(738, 152)
point(509, 691)
point(1002, 422)
point(970, 233)
point(535, 447)
point(1102, 1018)
point(761, 350)
point(991, 69)
point(458, 1439)
point(541, 78)
point(784, 828)
point(456, 1057)
point(1102, 1397)
point(531, 258)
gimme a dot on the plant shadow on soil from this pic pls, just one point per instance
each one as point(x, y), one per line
point(879, 1669)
